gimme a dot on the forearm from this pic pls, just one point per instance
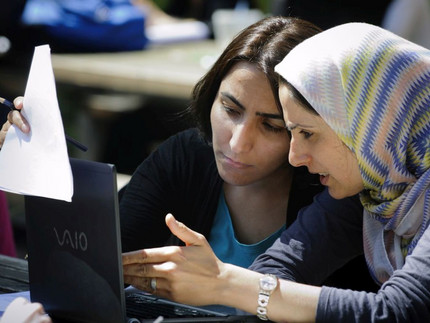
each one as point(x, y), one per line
point(290, 302)
point(405, 297)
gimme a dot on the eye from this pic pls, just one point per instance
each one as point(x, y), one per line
point(273, 128)
point(306, 134)
point(230, 110)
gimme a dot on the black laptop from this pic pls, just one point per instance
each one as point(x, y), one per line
point(75, 267)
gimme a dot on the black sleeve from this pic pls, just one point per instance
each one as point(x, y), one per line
point(176, 178)
point(303, 189)
point(325, 236)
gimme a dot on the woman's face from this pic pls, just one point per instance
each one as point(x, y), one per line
point(249, 138)
point(315, 145)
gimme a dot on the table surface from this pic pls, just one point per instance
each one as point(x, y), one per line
point(166, 70)
point(13, 275)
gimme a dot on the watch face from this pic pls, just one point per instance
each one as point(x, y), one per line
point(268, 283)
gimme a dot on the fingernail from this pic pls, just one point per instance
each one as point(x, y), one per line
point(17, 100)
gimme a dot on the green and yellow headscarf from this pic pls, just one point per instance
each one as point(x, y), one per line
point(373, 89)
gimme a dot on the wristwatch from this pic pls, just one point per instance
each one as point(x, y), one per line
point(268, 284)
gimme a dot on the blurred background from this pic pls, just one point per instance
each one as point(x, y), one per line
point(125, 70)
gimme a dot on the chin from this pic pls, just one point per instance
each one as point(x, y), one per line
point(336, 194)
point(235, 180)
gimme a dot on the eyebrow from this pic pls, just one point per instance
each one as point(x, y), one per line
point(240, 105)
point(296, 125)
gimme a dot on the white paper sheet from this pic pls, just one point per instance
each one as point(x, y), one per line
point(38, 163)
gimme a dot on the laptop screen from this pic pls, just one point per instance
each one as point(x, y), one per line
point(74, 252)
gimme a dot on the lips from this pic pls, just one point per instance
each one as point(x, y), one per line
point(235, 164)
point(324, 178)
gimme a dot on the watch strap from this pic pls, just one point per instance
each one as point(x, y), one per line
point(264, 296)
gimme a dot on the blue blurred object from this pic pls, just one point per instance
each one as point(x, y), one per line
point(89, 25)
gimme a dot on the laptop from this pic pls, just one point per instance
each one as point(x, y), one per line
point(74, 259)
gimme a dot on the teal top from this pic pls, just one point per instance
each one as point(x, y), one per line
point(225, 245)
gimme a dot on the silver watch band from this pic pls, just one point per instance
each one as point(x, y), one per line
point(263, 300)
point(268, 284)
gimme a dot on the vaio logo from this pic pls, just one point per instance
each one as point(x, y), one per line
point(76, 240)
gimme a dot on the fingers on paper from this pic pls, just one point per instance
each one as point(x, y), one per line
point(15, 117)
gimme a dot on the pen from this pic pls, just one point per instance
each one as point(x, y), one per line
point(7, 103)
point(68, 138)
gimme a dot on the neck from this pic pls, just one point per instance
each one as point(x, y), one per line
point(259, 209)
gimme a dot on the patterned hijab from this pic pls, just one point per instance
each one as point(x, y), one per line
point(373, 89)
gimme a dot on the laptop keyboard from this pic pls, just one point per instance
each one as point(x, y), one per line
point(146, 306)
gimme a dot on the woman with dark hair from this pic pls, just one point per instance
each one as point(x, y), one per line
point(230, 178)
point(262, 45)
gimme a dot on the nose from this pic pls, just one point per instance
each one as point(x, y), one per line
point(298, 155)
point(242, 138)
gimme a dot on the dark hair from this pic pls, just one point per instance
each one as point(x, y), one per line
point(265, 44)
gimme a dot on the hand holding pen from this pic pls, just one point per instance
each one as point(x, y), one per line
point(15, 117)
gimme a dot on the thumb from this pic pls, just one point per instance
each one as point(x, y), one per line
point(185, 234)
point(18, 102)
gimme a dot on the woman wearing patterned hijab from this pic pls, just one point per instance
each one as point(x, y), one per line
point(373, 90)
point(369, 90)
